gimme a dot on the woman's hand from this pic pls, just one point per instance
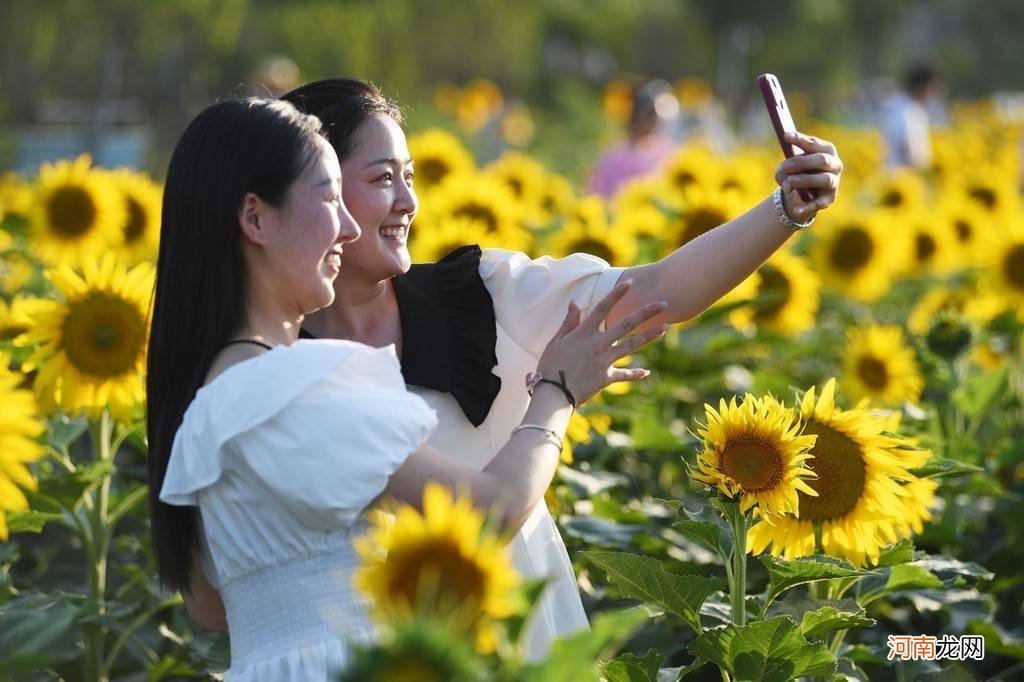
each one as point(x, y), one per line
point(817, 169)
point(585, 354)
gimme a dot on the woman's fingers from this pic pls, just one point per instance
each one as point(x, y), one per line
point(634, 343)
point(809, 163)
point(809, 143)
point(634, 320)
point(627, 374)
point(600, 311)
point(571, 321)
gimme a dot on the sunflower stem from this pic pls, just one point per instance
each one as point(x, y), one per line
point(738, 584)
point(97, 549)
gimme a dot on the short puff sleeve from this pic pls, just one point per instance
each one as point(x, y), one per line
point(319, 428)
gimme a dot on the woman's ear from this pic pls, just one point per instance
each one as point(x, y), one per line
point(250, 214)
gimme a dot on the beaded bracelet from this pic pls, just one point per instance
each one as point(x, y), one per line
point(780, 212)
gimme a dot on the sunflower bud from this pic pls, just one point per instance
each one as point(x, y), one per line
point(949, 336)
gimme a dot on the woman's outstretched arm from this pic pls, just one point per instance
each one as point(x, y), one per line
point(697, 274)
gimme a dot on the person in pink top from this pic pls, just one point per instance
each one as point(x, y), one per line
point(645, 150)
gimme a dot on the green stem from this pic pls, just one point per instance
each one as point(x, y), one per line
point(738, 586)
point(97, 503)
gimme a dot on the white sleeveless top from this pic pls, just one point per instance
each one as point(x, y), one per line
point(282, 453)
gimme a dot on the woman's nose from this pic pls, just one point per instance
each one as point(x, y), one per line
point(406, 200)
point(349, 228)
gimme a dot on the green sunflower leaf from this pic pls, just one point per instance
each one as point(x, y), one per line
point(631, 668)
point(938, 467)
point(573, 658)
point(641, 577)
point(784, 575)
point(29, 521)
point(768, 650)
point(829, 619)
point(981, 391)
point(707, 534)
point(900, 553)
point(911, 577)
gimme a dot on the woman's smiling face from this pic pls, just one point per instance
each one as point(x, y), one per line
point(378, 191)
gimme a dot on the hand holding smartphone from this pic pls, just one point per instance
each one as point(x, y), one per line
point(782, 121)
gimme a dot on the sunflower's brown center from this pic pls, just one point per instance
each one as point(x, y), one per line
point(872, 372)
point(893, 198)
point(964, 231)
point(699, 221)
point(410, 669)
point(683, 179)
point(778, 286)
point(431, 171)
point(516, 185)
point(103, 335)
point(475, 210)
point(753, 462)
point(731, 183)
point(1013, 266)
point(852, 250)
point(594, 247)
point(985, 196)
point(436, 573)
point(839, 463)
point(135, 227)
point(71, 211)
point(925, 246)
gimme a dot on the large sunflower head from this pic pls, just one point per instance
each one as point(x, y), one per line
point(901, 190)
point(693, 166)
point(557, 197)
point(430, 245)
point(754, 450)
point(587, 231)
point(525, 178)
point(20, 428)
point(933, 242)
point(880, 365)
point(862, 471)
point(438, 155)
point(14, 317)
point(439, 565)
point(77, 212)
point(1001, 257)
point(140, 233)
point(89, 349)
point(856, 255)
point(481, 199)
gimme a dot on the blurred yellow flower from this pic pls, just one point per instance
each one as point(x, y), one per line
point(441, 565)
point(89, 349)
point(481, 199)
point(1001, 258)
point(431, 244)
point(693, 165)
point(525, 177)
point(790, 289)
point(140, 232)
point(77, 212)
point(438, 154)
point(14, 317)
point(15, 267)
point(20, 426)
point(878, 364)
point(696, 211)
point(855, 254)
point(587, 231)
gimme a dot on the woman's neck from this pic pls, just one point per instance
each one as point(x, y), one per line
point(364, 311)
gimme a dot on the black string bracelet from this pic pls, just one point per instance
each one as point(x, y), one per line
point(562, 387)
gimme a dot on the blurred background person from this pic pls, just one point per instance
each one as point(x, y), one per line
point(907, 118)
point(647, 145)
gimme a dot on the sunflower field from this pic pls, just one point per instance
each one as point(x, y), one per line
point(822, 479)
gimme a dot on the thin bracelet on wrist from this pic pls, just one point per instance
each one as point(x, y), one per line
point(550, 435)
point(783, 216)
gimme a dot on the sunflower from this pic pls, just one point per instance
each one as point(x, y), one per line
point(880, 365)
point(439, 565)
point(143, 203)
point(862, 471)
point(14, 317)
point(644, 222)
point(1001, 258)
point(900, 190)
point(968, 223)
point(15, 268)
point(437, 155)
point(995, 195)
point(855, 254)
point(16, 196)
point(479, 102)
point(693, 166)
point(525, 177)
point(977, 307)
point(746, 290)
point(789, 290)
point(430, 245)
point(754, 450)
point(20, 426)
point(933, 242)
point(484, 200)
point(587, 231)
point(641, 192)
point(582, 427)
point(697, 211)
point(77, 212)
point(557, 197)
point(90, 348)
point(745, 174)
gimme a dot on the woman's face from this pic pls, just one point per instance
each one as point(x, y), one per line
point(378, 191)
point(306, 234)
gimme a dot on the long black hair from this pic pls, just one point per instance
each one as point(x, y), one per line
point(342, 104)
point(233, 147)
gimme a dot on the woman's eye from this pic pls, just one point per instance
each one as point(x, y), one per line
point(387, 177)
point(410, 178)
point(335, 199)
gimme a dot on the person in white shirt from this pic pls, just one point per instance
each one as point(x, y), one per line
point(471, 326)
point(905, 120)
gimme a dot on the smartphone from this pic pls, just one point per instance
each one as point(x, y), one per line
point(782, 120)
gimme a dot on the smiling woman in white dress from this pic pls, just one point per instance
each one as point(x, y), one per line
point(471, 326)
point(266, 450)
